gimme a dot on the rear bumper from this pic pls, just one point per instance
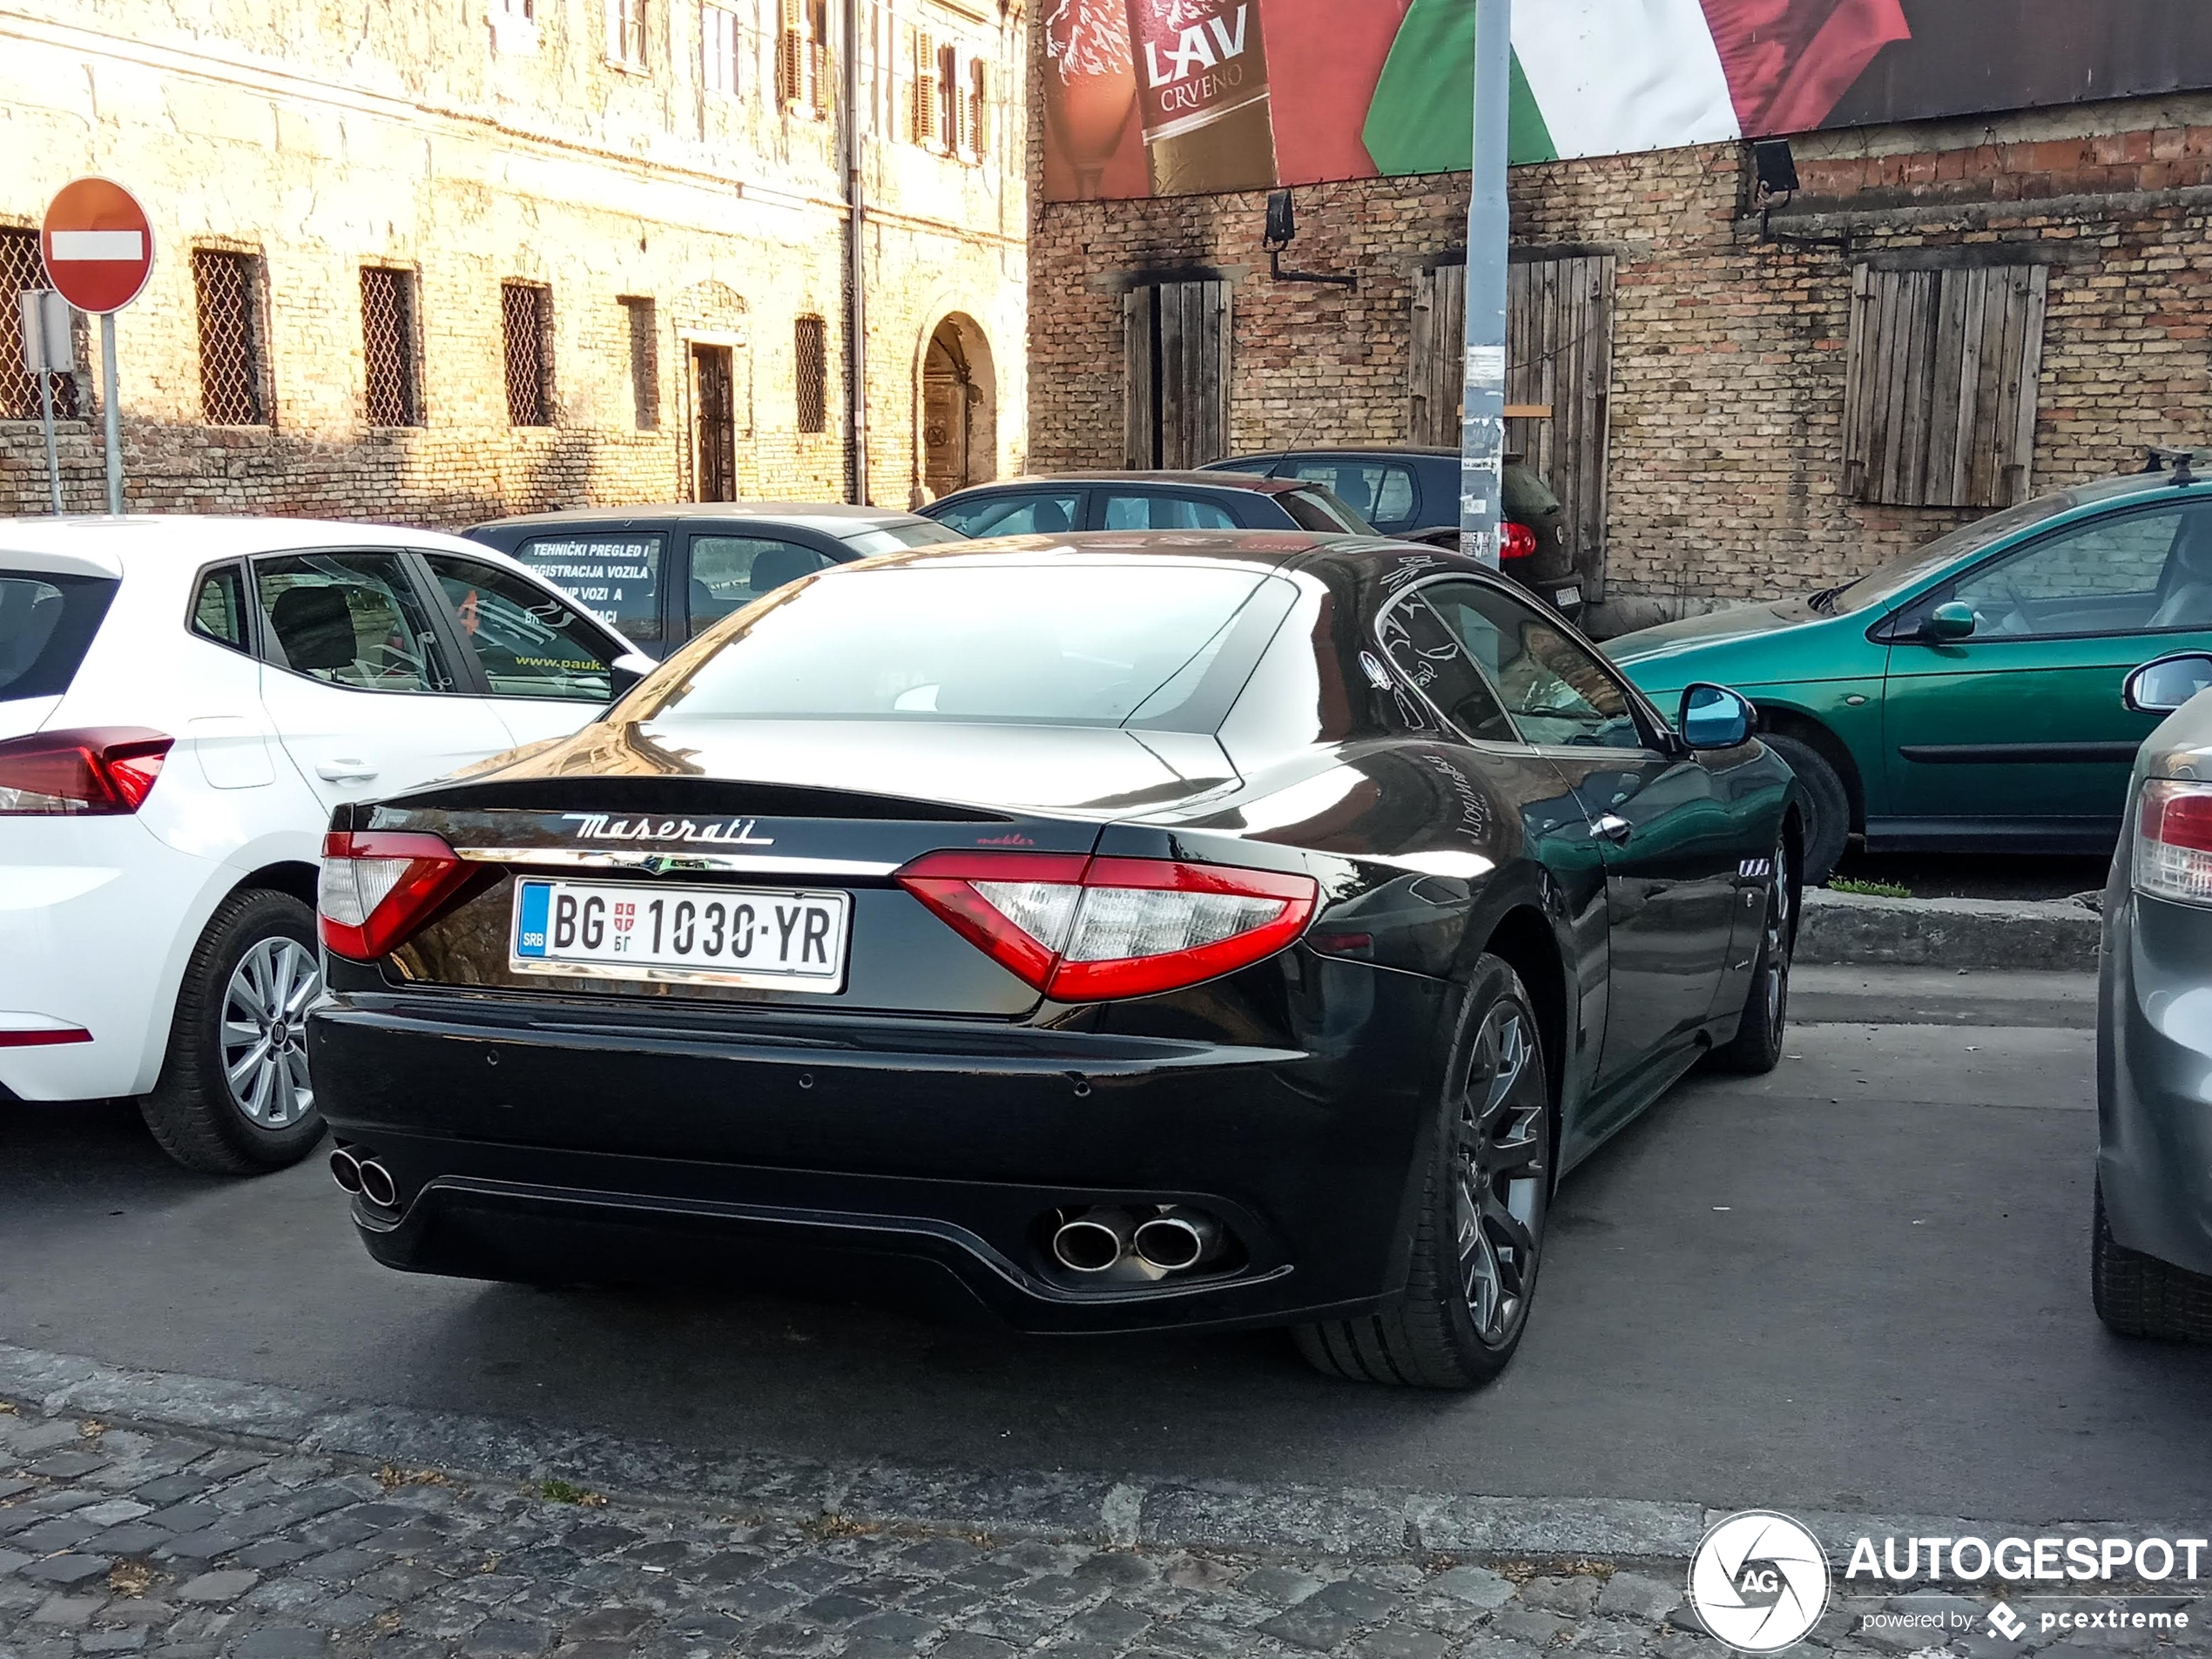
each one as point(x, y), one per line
point(533, 1139)
point(95, 917)
point(2154, 1080)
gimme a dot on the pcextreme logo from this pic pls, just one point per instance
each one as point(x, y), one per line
point(1759, 1581)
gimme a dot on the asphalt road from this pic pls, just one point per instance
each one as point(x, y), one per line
point(1859, 1284)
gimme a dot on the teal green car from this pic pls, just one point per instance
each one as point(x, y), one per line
point(1967, 696)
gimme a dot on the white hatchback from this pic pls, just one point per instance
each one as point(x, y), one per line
point(182, 702)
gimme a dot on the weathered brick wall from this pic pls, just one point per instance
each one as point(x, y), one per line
point(321, 137)
point(1729, 359)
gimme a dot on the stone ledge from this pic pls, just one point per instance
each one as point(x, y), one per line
point(1861, 930)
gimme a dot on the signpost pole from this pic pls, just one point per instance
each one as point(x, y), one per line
point(1482, 418)
point(42, 360)
point(114, 414)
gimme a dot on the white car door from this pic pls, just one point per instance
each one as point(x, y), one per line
point(355, 680)
point(547, 665)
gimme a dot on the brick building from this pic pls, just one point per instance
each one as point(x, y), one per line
point(2022, 301)
point(436, 262)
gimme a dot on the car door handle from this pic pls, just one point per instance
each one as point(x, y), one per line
point(1613, 827)
point(344, 769)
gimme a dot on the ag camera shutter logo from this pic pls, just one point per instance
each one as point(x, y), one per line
point(1759, 1581)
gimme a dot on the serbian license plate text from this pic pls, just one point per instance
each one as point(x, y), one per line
point(793, 942)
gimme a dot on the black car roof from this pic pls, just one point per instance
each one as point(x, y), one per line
point(818, 514)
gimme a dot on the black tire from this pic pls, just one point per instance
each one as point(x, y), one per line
point(1827, 806)
point(1756, 1046)
point(1501, 1144)
point(2140, 1296)
point(194, 1112)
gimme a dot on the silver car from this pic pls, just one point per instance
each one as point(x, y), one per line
point(2151, 1252)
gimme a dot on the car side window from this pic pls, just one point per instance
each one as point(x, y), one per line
point(1425, 650)
point(219, 609)
point(1166, 513)
point(1556, 689)
point(1043, 513)
point(528, 640)
point(614, 575)
point(1379, 492)
point(349, 619)
point(729, 572)
point(2130, 573)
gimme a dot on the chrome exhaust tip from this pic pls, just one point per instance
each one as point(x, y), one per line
point(377, 1185)
point(346, 1171)
point(1093, 1242)
point(1175, 1239)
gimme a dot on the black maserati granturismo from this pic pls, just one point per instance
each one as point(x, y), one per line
point(1121, 931)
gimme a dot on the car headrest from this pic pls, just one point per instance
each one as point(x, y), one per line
point(1049, 518)
point(773, 566)
point(2192, 547)
point(315, 628)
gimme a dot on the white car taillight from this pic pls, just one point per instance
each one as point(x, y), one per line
point(377, 887)
point(2174, 841)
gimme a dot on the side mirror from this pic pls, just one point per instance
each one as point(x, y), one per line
point(1952, 619)
point(624, 673)
point(2163, 685)
point(1714, 717)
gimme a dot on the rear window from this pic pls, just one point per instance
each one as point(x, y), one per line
point(46, 626)
point(615, 577)
point(1319, 509)
point(891, 538)
point(1158, 645)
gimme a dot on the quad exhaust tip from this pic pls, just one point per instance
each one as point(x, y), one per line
point(1107, 1238)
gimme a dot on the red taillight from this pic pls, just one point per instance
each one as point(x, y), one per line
point(378, 887)
point(1091, 930)
point(95, 770)
point(1515, 541)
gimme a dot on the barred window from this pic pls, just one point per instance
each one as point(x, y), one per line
point(389, 347)
point(526, 322)
point(20, 270)
point(719, 46)
point(626, 33)
point(232, 386)
point(810, 355)
point(645, 362)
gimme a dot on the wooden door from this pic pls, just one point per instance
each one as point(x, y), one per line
point(1559, 357)
point(714, 424)
point(1175, 339)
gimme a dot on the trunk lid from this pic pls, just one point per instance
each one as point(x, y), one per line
point(675, 810)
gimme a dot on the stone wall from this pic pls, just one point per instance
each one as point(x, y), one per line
point(320, 137)
point(1724, 476)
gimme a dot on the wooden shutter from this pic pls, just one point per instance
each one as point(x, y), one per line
point(979, 109)
point(817, 65)
point(923, 120)
point(1559, 357)
point(1939, 398)
point(1176, 341)
point(790, 59)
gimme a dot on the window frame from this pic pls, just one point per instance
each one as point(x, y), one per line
point(1901, 625)
point(464, 678)
point(628, 21)
point(1229, 503)
point(1080, 519)
point(250, 609)
point(408, 298)
point(425, 576)
point(1649, 722)
point(708, 59)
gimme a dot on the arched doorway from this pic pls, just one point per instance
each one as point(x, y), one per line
point(959, 408)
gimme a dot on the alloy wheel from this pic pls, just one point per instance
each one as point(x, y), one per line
point(264, 1011)
point(1501, 1174)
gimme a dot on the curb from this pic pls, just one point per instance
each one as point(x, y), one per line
point(1861, 930)
point(1366, 1523)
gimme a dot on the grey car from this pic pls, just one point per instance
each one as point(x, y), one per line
point(2151, 1251)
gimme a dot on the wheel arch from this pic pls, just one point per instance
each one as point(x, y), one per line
point(1818, 735)
point(293, 876)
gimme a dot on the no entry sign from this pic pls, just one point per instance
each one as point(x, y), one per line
point(98, 245)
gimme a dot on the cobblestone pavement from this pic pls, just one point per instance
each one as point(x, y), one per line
point(114, 1540)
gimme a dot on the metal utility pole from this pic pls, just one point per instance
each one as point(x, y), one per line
point(1482, 419)
point(114, 412)
point(856, 258)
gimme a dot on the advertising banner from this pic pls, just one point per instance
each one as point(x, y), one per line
point(1165, 98)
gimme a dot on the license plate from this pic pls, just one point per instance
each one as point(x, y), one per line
point(765, 938)
point(1565, 597)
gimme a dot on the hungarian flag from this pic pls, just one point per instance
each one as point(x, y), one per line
point(1614, 76)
